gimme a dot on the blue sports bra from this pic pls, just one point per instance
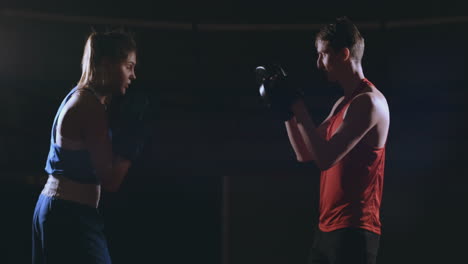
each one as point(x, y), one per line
point(75, 165)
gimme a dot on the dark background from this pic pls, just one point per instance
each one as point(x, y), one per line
point(219, 182)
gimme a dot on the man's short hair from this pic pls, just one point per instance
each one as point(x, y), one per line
point(343, 34)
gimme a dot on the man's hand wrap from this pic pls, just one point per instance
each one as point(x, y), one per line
point(275, 91)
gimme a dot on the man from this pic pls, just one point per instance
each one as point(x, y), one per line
point(348, 148)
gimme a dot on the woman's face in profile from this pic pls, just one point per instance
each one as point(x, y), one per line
point(124, 73)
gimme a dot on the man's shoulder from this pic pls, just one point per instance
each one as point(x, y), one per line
point(372, 102)
point(365, 101)
point(372, 95)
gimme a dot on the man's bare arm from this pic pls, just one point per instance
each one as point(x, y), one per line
point(360, 118)
point(297, 140)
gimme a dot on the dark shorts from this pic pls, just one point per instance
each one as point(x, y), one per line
point(347, 245)
point(67, 232)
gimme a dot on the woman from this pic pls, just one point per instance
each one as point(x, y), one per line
point(67, 227)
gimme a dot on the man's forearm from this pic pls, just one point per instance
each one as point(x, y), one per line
point(313, 141)
point(297, 142)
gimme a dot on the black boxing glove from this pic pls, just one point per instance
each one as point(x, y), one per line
point(275, 91)
point(128, 123)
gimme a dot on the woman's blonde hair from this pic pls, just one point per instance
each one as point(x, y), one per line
point(114, 46)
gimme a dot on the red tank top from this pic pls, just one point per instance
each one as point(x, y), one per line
point(351, 190)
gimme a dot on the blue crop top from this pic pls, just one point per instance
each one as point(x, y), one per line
point(72, 164)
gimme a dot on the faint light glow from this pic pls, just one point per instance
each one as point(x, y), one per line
point(366, 25)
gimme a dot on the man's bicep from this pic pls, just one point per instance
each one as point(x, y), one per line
point(322, 128)
point(360, 118)
point(335, 106)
